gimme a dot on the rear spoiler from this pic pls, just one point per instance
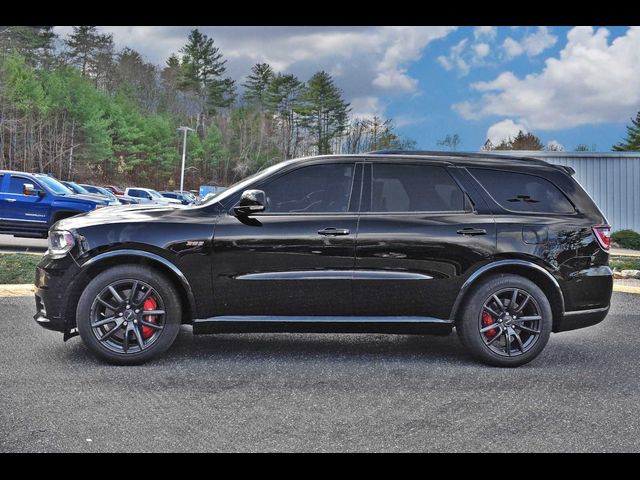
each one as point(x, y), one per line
point(566, 169)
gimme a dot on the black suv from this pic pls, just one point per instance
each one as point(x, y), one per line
point(506, 250)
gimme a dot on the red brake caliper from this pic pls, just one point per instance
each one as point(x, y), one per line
point(149, 304)
point(487, 320)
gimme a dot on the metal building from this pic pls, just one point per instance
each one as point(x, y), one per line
point(611, 178)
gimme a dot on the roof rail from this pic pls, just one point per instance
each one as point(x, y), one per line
point(439, 153)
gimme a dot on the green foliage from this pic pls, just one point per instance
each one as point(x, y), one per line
point(522, 141)
point(323, 111)
point(257, 84)
point(22, 86)
point(624, 263)
point(632, 140)
point(627, 239)
point(18, 268)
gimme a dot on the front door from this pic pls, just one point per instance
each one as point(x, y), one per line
point(418, 234)
point(297, 257)
point(23, 211)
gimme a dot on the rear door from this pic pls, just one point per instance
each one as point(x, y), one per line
point(419, 232)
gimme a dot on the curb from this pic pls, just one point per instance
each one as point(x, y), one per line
point(17, 290)
point(11, 252)
point(626, 289)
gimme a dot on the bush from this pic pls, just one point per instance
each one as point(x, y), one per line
point(627, 239)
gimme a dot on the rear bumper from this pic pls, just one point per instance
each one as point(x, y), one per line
point(580, 319)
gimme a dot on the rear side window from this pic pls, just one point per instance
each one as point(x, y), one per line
point(414, 188)
point(521, 192)
point(134, 193)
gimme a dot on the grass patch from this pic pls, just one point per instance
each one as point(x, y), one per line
point(624, 263)
point(18, 268)
point(627, 239)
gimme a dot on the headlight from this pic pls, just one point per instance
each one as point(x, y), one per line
point(60, 242)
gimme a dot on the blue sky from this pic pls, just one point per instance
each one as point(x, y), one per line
point(568, 85)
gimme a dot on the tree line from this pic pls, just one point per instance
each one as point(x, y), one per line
point(88, 112)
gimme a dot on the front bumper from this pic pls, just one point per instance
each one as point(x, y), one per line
point(54, 291)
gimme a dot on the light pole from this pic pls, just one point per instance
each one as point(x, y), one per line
point(184, 153)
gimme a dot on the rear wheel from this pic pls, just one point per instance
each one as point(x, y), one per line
point(506, 321)
point(129, 314)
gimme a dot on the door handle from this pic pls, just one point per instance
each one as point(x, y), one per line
point(332, 231)
point(472, 231)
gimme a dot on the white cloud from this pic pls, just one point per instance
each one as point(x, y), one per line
point(592, 81)
point(504, 130)
point(455, 58)
point(485, 32)
point(367, 107)
point(533, 44)
point(481, 49)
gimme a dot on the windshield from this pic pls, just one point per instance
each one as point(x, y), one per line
point(77, 188)
point(54, 185)
point(104, 191)
point(154, 194)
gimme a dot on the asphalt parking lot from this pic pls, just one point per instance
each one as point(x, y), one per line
point(286, 392)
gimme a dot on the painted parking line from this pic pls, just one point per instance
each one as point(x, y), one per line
point(626, 289)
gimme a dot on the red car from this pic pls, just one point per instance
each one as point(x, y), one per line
point(114, 189)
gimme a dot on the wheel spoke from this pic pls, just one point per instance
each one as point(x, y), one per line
point(514, 297)
point(139, 338)
point(499, 302)
point(107, 304)
point(527, 329)
point(152, 325)
point(524, 303)
point(520, 345)
point(107, 335)
point(491, 311)
point(490, 327)
point(116, 295)
point(528, 319)
point(507, 338)
point(153, 312)
point(132, 293)
point(495, 338)
point(144, 296)
point(125, 340)
point(99, 323)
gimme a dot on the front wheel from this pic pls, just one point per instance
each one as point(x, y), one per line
point(129, 314)
point(506, 321)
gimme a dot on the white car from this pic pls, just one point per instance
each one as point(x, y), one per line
point(148, 195)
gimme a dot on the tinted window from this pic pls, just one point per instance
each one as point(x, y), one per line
point(522, 192)
point(16, 183)
point(414, 188)
point(318, 188)
point(136, 193)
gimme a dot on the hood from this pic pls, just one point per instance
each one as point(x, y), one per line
point(87, 197)
point(131, 213)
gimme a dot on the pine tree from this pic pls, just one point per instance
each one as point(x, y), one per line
point(90, 51)
point(34, 43)
point(202, 73)
point(282, 98)
point(323, 111)
point(632, 141)
point(257, 84)
point(522, 141)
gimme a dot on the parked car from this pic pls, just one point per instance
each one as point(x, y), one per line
point(76, 188)
point(123, 199)
point(31, 203)
point(148, 195)
point(182, 197)
point(115, 189)
point(505, 250)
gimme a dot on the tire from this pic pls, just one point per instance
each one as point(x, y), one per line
point(504, 341)
point(131, 342)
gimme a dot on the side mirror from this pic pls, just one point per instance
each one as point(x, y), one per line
point(29, 189)
point(251, 201)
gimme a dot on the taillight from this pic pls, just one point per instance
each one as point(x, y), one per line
point(603, 234)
